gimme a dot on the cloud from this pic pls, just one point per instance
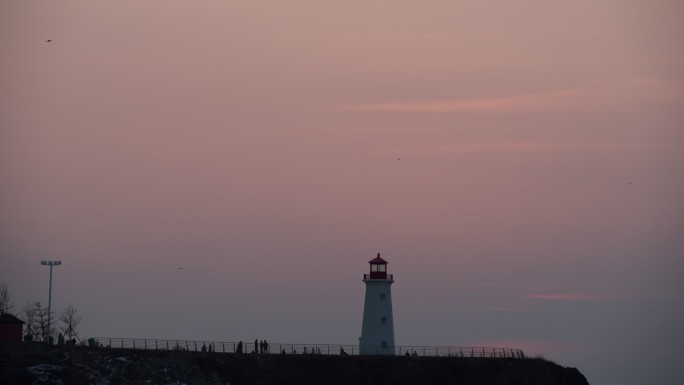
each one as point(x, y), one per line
point(565, 296)
point(528, 102)
point(537, 146)
point(600, 96)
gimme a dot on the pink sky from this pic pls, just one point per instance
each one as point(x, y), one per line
point(518, 163)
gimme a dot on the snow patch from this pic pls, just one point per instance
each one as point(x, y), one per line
point(43, 371)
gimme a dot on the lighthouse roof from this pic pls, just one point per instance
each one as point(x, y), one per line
point(377, 260)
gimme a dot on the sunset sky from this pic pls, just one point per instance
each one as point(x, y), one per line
point(519, 164)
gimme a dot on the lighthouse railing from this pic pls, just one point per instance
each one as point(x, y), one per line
point(390, 277)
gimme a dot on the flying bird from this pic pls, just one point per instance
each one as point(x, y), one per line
point(48, 40)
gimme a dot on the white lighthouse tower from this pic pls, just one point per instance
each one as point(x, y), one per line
point(377, 331)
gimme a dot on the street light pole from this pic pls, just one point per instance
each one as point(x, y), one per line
point(50, 263)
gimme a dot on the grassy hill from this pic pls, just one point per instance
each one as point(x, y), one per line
point(39, 364)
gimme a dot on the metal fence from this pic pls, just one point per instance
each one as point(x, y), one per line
point(288, 348)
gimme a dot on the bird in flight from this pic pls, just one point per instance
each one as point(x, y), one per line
point(48, 41)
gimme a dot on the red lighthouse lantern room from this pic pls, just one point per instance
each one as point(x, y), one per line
point(378, 268)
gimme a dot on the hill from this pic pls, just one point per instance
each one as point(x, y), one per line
point(39, 364)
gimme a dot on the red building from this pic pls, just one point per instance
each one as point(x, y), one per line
point(10, 328)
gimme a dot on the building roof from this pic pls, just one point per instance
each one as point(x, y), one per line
point(10, 319)
point(378, 260)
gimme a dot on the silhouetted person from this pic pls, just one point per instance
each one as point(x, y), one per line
point(256, 345)
point(304, 350)
point(266, 351)
point(407, 354)
point(204, 347)
point(261, 347)
point(60, 339)
point(239, 348)
point(211, 348)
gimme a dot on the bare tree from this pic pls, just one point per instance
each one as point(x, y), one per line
point(69, 321)
point(6, 306)
point(28, 318)
point(35, 316)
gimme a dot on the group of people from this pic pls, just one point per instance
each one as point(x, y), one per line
point(260, 347)
point(209, 349)
point(61, 341)
point(313, 350)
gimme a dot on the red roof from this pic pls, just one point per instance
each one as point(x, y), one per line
point(378, 260)
point(9, 319)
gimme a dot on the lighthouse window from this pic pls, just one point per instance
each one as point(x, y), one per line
point(383, 296)
point(380, 268)
point(383, 320)
point(383, 343)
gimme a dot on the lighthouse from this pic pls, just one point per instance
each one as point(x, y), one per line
point(377, 331)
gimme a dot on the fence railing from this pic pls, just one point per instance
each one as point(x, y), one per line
point(289, 348)
point(390, 277)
